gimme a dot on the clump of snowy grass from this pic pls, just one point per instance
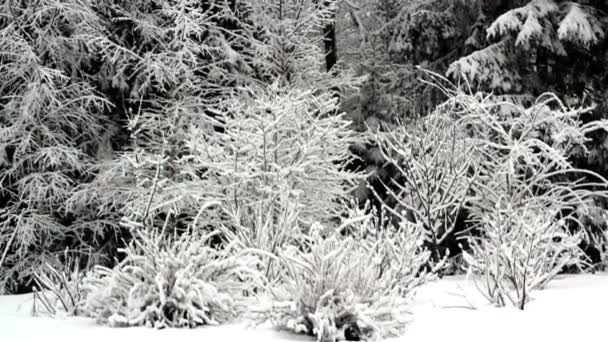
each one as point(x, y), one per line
point(58, 291)
point(350, 288)
point(267, 226)
point(176, 281)
point(521, 249)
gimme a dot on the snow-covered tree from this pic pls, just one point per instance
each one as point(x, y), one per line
point(83, 80)
point(52, 129)
point(171, 64)
point(541, 45)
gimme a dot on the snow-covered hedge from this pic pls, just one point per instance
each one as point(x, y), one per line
point(172, 282)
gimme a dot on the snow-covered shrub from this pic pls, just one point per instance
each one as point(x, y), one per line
point(172, 281)
point(280, 144)
point(527, 152)
point(525, 188)
point(356, 287)
point(527, 157)
point(520, 250)
point(435, 171)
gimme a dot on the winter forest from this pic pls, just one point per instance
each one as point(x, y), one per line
point(326, 170)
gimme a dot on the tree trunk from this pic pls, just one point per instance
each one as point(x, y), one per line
point(329, 37)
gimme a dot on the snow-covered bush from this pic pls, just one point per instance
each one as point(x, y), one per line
point(435, 171)
point(525, 188)
point(350, 288)
point(520, 250)
point(172, 281)
point(527, 152)
point(526, 156)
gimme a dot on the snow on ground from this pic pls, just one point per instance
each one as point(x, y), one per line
point(572, 308)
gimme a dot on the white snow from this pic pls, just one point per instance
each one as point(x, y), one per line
point(571, 308)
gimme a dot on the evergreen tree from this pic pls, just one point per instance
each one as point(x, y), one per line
point(53, 128)
point(538, 46)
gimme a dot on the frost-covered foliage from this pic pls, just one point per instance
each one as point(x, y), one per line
point(525, 153)
point(523, 199)
point(169, 64)
point(580, 26)
point(291, 35)
point(476, 151)
point(52, 126)
point(280, 144)
point(576, 23)
point(175, 281)
point(350, 288)
point(520, 250)
point(435, 171)
point(480, 68)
